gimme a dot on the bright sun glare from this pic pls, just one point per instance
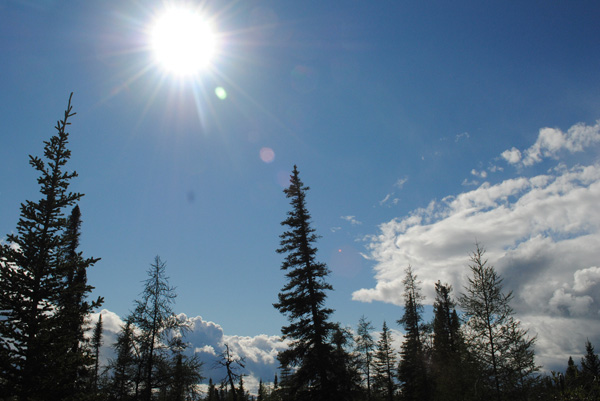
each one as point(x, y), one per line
point(182, 41)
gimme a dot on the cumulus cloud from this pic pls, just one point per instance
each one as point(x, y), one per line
point(551, 141)
point(512, 156)
point(540, 232)
point(208, 340)
point(480, 174)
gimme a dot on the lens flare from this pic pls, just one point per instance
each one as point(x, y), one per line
point(221, 93)
point(267, 155)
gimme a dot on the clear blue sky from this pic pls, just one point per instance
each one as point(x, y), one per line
point(387, 108)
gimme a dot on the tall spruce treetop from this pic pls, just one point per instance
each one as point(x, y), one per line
point(412, 368)
point(590, 363)
point(302, 300)
point(35, 274)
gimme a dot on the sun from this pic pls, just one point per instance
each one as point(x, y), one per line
point(182, 41)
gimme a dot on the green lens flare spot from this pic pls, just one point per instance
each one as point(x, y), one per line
point(221, 93)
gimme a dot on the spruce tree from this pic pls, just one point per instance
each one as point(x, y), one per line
point(96, 344)
point(347, 375)
point(123, 368)
point(302, 300)
point(212, 393)
point(590, 363)
point(412, 371)
point(43, 285)
point(450, 363)
point(502, 348)
point(384, 361)
point(571, 374)
point(364, 348)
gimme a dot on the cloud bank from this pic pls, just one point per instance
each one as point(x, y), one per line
point(540, 232)
point(208, 340)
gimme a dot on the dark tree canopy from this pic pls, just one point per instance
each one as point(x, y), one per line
point(302, 300)
point(384, 365)
point(412, 369)
point(43, 286)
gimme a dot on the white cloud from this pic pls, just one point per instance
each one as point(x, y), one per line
point(401, 181)
point(351, 219)
point(464, 135)
point(384, 200)
point(551, 141)
point(480, 174)
point(512, 156)
point(585, 279)
point(541, 233)
point(208, 340)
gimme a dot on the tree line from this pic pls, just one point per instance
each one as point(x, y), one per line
point(473, 349)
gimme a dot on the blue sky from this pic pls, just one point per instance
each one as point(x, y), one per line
point(419, 126)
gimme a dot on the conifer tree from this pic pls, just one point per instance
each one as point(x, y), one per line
point(364, 348)
point(450, 363)
point(571, 374)
point(40, 332)
point(96, 344)
point(502, 348)
point(590, 363)
point(347, 376)
point(412, 371)
point(302, 300)
point(212, 393)
point(155, 319)
point(261, 391)
point(384, 361)
point(123, 369)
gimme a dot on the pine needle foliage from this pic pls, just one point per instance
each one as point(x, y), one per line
point(43, 286)
point(302, 300)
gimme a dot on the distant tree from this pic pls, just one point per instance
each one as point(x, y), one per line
point(125, 377)
point(43, 286)
point(154, 318)
point(590, 372)
point(261, 391)
point(212, 393)
point(302, 300)
point(590, 363)
point(364, 348)
point(412, 370)
point(347, 376)
point(451, 369)
point(571, 374)
point(96, 344)
point(182, 373)
point(384, 362)
point(242, 394)
point(232, 365)
point(501, 347)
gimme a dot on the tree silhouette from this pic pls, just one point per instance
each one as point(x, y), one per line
point(302, 300)
point(43, 285)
